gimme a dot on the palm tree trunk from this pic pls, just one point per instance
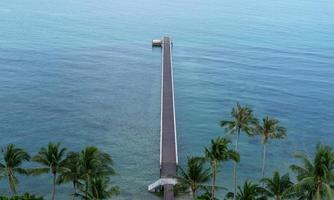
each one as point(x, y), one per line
point(235, 167)
point(263, 159)
point(213, 180)
point(318, 196)
point(11, 181)
point(194, 194)
point(86, 187)
point(97, 195)
point(54, 186)
point(74, 189)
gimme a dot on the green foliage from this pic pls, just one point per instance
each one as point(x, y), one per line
point(315, 176)
point(194, 176)
point(249, 191)
point(217, 152)
point(52, 160)
point(99, 189)
point(94, 162)
point(206, 196)
point(26, 196)
point(278, 187)
point(89, 170)
point(242, 120)
point(72, 174)
point(13, 158)
point(270, 128)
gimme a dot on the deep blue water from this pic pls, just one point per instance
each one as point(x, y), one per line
point(84, 73)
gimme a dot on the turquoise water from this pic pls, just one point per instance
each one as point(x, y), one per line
point(84, 73)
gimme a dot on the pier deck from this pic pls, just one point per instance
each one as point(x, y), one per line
point(168, 139)
point(168, 130)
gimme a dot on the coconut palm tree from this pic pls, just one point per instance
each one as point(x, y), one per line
point(269, 128)
point(194, 176)
point(100, 189)
point(52, 159)
point(94, 164)
point(73, 173)
point(278, 187)
point(242, 121)
point(216, 153)
point(315, 176)
point(249, 191)
point(13, 158)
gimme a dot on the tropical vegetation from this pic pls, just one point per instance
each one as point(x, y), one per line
point(314, 175)
point(219, 151)
point(25, 196)
point(52, 161)
point(194, 176)
point(249, 191)
point(278, 187)
point(13, 158)
point(89, 171)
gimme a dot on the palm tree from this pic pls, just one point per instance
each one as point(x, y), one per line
point(249, 191)
point(269, 129)
point(99, 189)
point(73, 173)
point(194, 176)
point(94, 164)
point(52, 159)
point(216, 153)
point(242, 120)
point(13, 158)
point(278, 187)
point(315, 176)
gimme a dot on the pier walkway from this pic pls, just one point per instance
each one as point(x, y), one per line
point(168, 139)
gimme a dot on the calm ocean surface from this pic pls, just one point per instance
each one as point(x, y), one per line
point(84, 73)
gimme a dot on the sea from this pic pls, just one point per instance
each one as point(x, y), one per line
point(83, 72)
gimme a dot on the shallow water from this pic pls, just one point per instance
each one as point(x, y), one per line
point(84, 73)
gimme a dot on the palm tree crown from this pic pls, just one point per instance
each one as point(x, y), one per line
point(242, 120)
point(94, 164)
point(249, 191)
point(52, 159)
point(100, 189)
point(219, 151)
point(278, 187)
point(270, 129)
point(194, 176)
point(315, 177)
point(13, 158)
point(72, 172)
